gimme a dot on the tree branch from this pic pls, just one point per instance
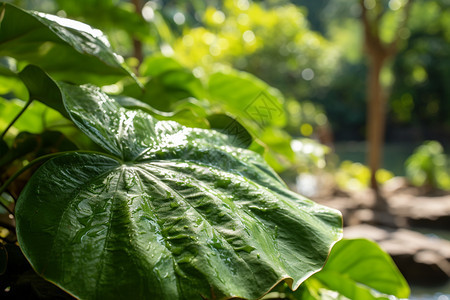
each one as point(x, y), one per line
point(372, 41)
point(392, 48)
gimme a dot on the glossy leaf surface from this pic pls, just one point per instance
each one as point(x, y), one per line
point(67, 49)
point(189, 112)
point(170, 212)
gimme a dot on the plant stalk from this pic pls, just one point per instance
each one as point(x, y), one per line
point(16, 117)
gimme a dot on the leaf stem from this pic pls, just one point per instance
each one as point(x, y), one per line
point(17, 117)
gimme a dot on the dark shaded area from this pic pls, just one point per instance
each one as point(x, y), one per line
point(20, 281)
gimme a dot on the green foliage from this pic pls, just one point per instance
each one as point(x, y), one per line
point(259, 107)
point(421, 72)
point(118, 19)
point(67, 49)
point(274, 43)
point(157, 209)
point(418, 75)
point(248, 35)
point(247, 97)
point(359, 269)
point(166, 84)
point(178, 95)
point(356, 269)
point(428, 166)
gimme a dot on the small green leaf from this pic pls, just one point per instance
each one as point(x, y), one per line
point(66, 49)
point(42, 88)
point(359, 269)
point(170, 212)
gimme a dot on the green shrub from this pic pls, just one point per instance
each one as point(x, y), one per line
point(428, 166)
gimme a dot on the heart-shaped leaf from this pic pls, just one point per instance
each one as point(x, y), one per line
point(170, 212)
point(67, 49)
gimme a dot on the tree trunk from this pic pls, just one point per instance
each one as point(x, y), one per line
point(376, 115)
point(378, 53)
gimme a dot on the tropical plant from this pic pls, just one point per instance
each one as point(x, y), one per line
point(119, 200)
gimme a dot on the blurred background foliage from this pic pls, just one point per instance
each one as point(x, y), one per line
point(201, 58)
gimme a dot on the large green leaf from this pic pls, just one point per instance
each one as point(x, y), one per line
point(168, 84)
point(255, 103)
point(170, 212)
point(359, 269)
point(67, 49)
point(259, 108)
point(43, 88)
